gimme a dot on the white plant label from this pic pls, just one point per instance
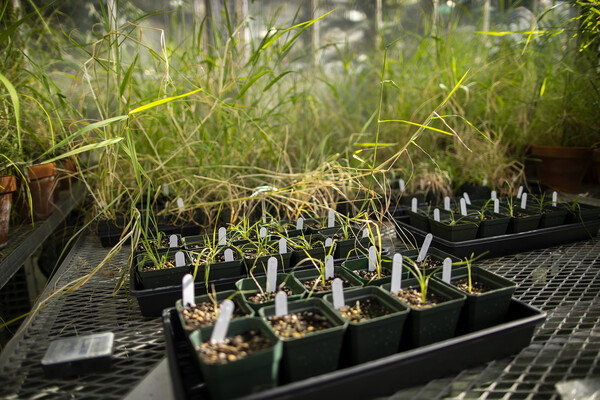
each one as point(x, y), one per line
point(281, 304)
point(228, 253)
point(337, 289)
point(496, 206)
point(467, 198)
point(180, 204)
point(222, 236)
point(436, 215)
point(422, 183)
point(554, 199)
point(282, 246)
point(372, 259)
point(179, 259)
point(219, 332)
point(300, 223)
point(165, 188)
point(331, 219)
point(365, 232)
point(447, 203)
point(396, 273)
point(447, 270)
point(463, 206)
point(494, 195)
point(262, 233)
point(329, 267)
point(413, 204)
point(425, 247)
point(524, 201)
point(328, 242)
point(402, 185)
point(520, 192)
point(187, 291)
point(173, 241)
point(271, 274)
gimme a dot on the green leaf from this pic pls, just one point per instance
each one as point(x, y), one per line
point(251, 82)
point(161, 101)
point(87, 147)
point(15, 100)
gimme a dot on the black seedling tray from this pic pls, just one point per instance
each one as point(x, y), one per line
point(500, 245)
point(381, 377)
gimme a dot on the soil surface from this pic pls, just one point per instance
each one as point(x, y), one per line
point(428, 263)
point(371, 275)
point(413, 298)
point(299, 324)
point(316, 284)
point(233, 348)
point(267, 296)
point(203, 314)
point(164, 264)
point(477, 288)
point(364, 310)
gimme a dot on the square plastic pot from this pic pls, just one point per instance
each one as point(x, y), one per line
point(362, 264)
point(338, 272)
point(552, 216)
point(493, 225)
point(248, 288)
point(528, 221)
point(419, 219)
point(160, 277)
point(461, 229)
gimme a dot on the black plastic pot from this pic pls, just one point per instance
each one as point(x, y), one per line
point(488, 308)
point(253, 373)
point(219, 270)
point(248, 288)
point(314, 353)
point(377, 337)
point(582, 213)
point(433, 324)
point(462, 229)
point(317, 252)
point(433, 253)
point(527, 221)
point(552, 216)
point(167, 276)
point(493, 225)
point(363, 264)
point(338, 272)
point(419, 219)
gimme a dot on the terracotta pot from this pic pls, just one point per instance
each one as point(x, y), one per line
point(67, 176)
point(42, 184)
point(561, 168)
point(8, 185)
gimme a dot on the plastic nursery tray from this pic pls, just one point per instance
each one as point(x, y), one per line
point(375, 378)
point(500, 245)
point(152, 302)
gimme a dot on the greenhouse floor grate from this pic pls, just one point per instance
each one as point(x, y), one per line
point(564, 281)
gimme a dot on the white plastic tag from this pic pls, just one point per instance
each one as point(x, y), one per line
point(372, 259)
point(422, 184)
point(447, 203)
point(328, 242)
point(228, 253)
point(402, 185)
point(447, 270)
point(219, 332)
point(496, 206)
point(467, 198)
point(300, 223)
point(520, 192)
point(494, 195)
point(365, 232)
point(173, 241)
point(463, 206)
point(222, 236)
point(329, 270)
point(180, 204)
point(524, 201)
point(413, 204)
point(281, 304)
point(165, 189)
point(331, 219)
point(554, 199)
point(396, 273)
point(436, 215)
point(282, 246)
point(187, 291)
point(337, 289)
point(262, 233)
point(179, 259)
point(425, 247)
point(271, 274)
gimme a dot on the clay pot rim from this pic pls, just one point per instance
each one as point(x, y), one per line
point(560, 151)
point(39, 171)
point(8, 184)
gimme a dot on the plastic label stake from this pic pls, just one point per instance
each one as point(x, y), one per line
point(337, 289)
point(467, 198)
point(282, 246)
point(300, 223)
point(425, 247)
point(447, 203)
point(402, 185)
point(520, 192)
point(180, 204)
point(413, 204)
point(496, 206)
point(271, 274)
point(331, 219)
point(396, 273)
point(436, 215)
point(554, 199)
point(165, 189)
point(281, 304)
point(463, 207)
point(422, 183)
point(173, 241)
point(365, 232)
point(179, 259)
point(447, 270)
point(524, 201)
point(329, 267)
point(219, 332)
point(328, 242)
point(262, 233)
point(494, 195)
point(222, 236)
point(228, 253)
point(372, 259)
point(187, 291)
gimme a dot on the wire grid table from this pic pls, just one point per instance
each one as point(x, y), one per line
point(564, 281)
